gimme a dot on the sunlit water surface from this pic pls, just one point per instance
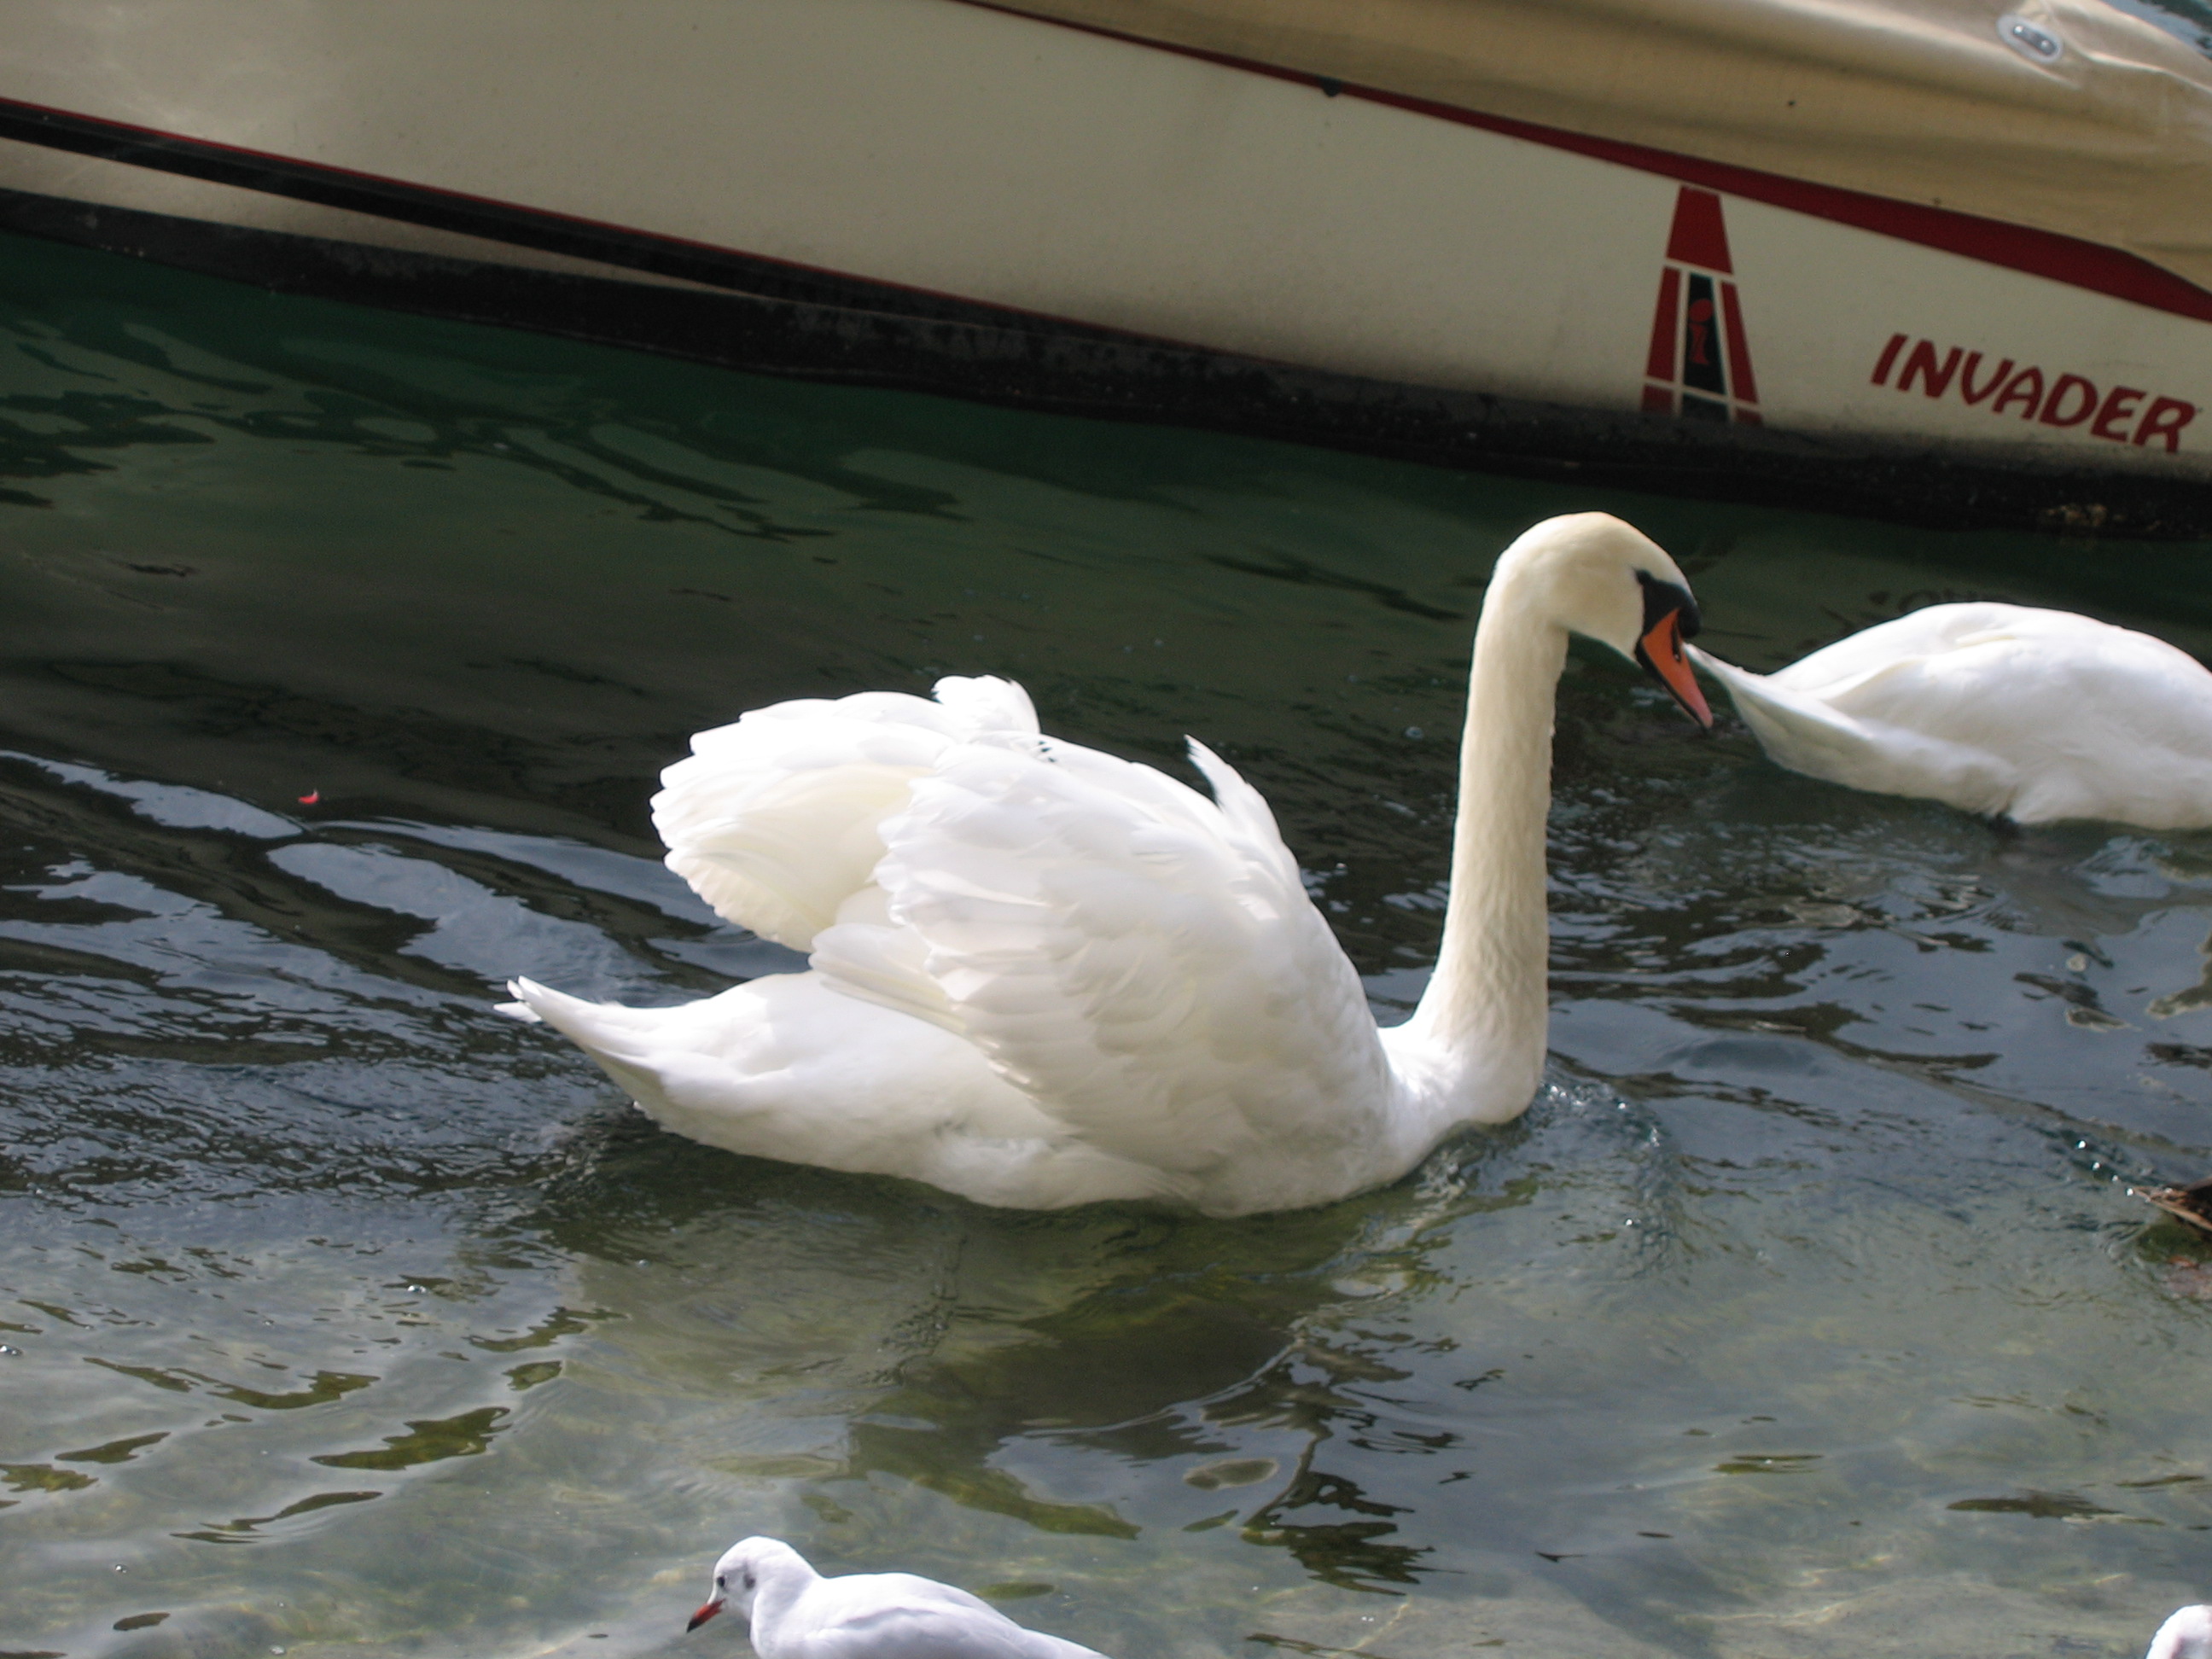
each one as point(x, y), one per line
point(1806, 1312)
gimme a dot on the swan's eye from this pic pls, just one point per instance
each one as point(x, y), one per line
point(720, 1583)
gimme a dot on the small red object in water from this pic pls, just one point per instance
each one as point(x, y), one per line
point(311, 797)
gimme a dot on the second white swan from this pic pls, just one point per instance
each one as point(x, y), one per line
point(2003, 709)
point(1040, 977)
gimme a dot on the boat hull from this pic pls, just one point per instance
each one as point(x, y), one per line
point(937, 193)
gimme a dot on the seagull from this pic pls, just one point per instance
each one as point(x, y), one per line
point(2186, 1635)
point(797, 1614)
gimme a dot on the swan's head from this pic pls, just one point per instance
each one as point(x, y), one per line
point(1591, 574)
point(740, 1574)
point(2187, 1635)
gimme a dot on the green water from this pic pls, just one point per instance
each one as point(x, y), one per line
point(1806, 1312)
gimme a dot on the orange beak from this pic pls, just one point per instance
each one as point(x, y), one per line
point(1660, 651)
point(705, 1613)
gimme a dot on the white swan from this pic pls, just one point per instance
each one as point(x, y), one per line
point(797, 1614)
point(1043, 977)
point(2034, 715)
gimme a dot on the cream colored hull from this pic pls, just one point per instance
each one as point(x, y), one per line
point(1005, 162)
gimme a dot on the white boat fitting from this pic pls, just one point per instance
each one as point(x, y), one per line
point(1947, 257)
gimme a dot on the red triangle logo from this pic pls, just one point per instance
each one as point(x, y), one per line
point(1699, 366)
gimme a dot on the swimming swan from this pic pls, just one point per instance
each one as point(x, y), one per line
point(2033, 715)
point(1043, 977)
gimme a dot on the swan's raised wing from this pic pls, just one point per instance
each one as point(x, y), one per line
point(773, 819)
point(1142, 962)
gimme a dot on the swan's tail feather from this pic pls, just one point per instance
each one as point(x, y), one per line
point(613, 1036)
point(793, 1068)
point(698, 1067)
point(606, 1031)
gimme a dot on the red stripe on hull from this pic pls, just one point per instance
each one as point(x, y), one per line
point(1661, 364)
point(2046, 254)
point(1699, 237)
point(1739, 349)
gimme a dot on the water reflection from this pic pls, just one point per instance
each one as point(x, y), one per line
point(1029, 1367)
point(1808, 1311)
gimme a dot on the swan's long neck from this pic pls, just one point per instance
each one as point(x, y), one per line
point(1482, 1021)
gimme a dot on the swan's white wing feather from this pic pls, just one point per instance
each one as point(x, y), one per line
point(773, 819)
point(1142, 962)
point(1928, 632)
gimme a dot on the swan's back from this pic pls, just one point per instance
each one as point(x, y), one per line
point(2006, 709)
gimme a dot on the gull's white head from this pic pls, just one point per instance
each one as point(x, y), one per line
point(1591, 574)
point(2186, 1635)
point(744, 1567)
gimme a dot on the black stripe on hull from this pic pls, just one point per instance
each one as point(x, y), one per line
point(499, 222)
point(976, 355)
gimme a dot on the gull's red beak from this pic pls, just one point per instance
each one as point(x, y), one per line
point(1660, 650)
point(705, 1613)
